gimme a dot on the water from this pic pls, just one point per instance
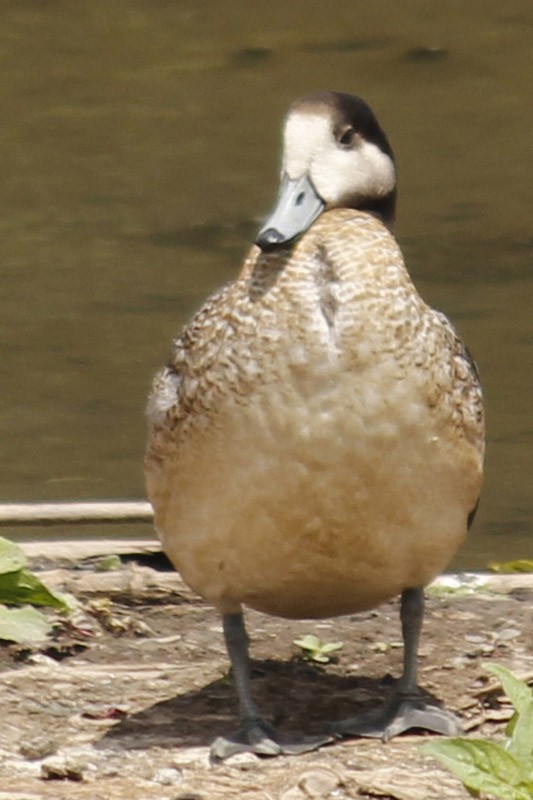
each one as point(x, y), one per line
point(140, 148)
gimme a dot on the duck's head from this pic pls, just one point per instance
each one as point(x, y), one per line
point(335, 155)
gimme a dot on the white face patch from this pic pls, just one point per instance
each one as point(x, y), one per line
point(304, 137)
point(359, 173)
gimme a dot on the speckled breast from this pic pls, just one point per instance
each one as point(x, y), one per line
point(314, 448)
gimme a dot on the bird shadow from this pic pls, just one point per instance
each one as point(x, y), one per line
point(295, 697)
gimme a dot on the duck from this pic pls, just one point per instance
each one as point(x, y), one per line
point(316, 438)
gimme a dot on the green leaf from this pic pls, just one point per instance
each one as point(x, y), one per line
point(309, 642)
point(330, 647)
point(521, 744)
point(501, 771)
point(521, 565)
point(12, 557)
point(315, 650)
point(23, 625)
point(516, 690)
point(18, 586)
point(511, 725)
point(482, 766)
point(108, 563)
point(22, 587)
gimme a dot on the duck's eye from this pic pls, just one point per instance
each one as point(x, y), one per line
point(347, 137)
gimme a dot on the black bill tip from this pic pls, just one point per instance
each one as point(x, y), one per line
point(269, 238)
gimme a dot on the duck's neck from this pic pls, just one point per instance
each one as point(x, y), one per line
point(383, 207)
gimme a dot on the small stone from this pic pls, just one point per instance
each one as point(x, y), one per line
point(508, 634)
point(58, 768)
point(189, 796)
point(27, 770)
point(37, 748)
point(168, 776)
point(458, 662)
point(293, 794)
point(71, 766)
point(475, 639)
point(318, 783)
point(40, 660)
point(109, 771)
point(244, 761)
point(192, 756)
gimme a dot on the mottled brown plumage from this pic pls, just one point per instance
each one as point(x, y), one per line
point(316, 409)
point(316, 440)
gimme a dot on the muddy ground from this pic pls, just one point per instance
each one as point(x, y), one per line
point(125, 700)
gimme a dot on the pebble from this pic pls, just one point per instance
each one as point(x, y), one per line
point(28, 769)
point(192, 757)
point(168, 776)
point(72, 765)
point(110, 771)
point(38, 747)
point(40, 660)
point(318, 783)
point(314, 784)
point(189, 796)
point(508, 634)
point(293, 794)
point(244, 761)
point(58, 767)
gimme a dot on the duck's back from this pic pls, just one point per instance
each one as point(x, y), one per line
point(316, 441)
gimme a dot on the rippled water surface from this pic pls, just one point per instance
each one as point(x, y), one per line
point(140, 147)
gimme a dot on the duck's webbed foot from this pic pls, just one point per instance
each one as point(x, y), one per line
point(407, 708)
point(255, 735)
point(402, 713)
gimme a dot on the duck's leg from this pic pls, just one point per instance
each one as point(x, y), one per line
point(407, 708)
point(254, 734)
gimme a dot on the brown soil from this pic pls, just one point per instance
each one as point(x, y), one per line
point(124, 702)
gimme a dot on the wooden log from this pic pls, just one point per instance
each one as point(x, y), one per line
point(79, 513)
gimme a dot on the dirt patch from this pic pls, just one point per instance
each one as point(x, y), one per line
point(126, 702)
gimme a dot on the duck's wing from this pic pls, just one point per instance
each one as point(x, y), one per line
point(177, 393)
point(466, 392)
point(193, 352)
